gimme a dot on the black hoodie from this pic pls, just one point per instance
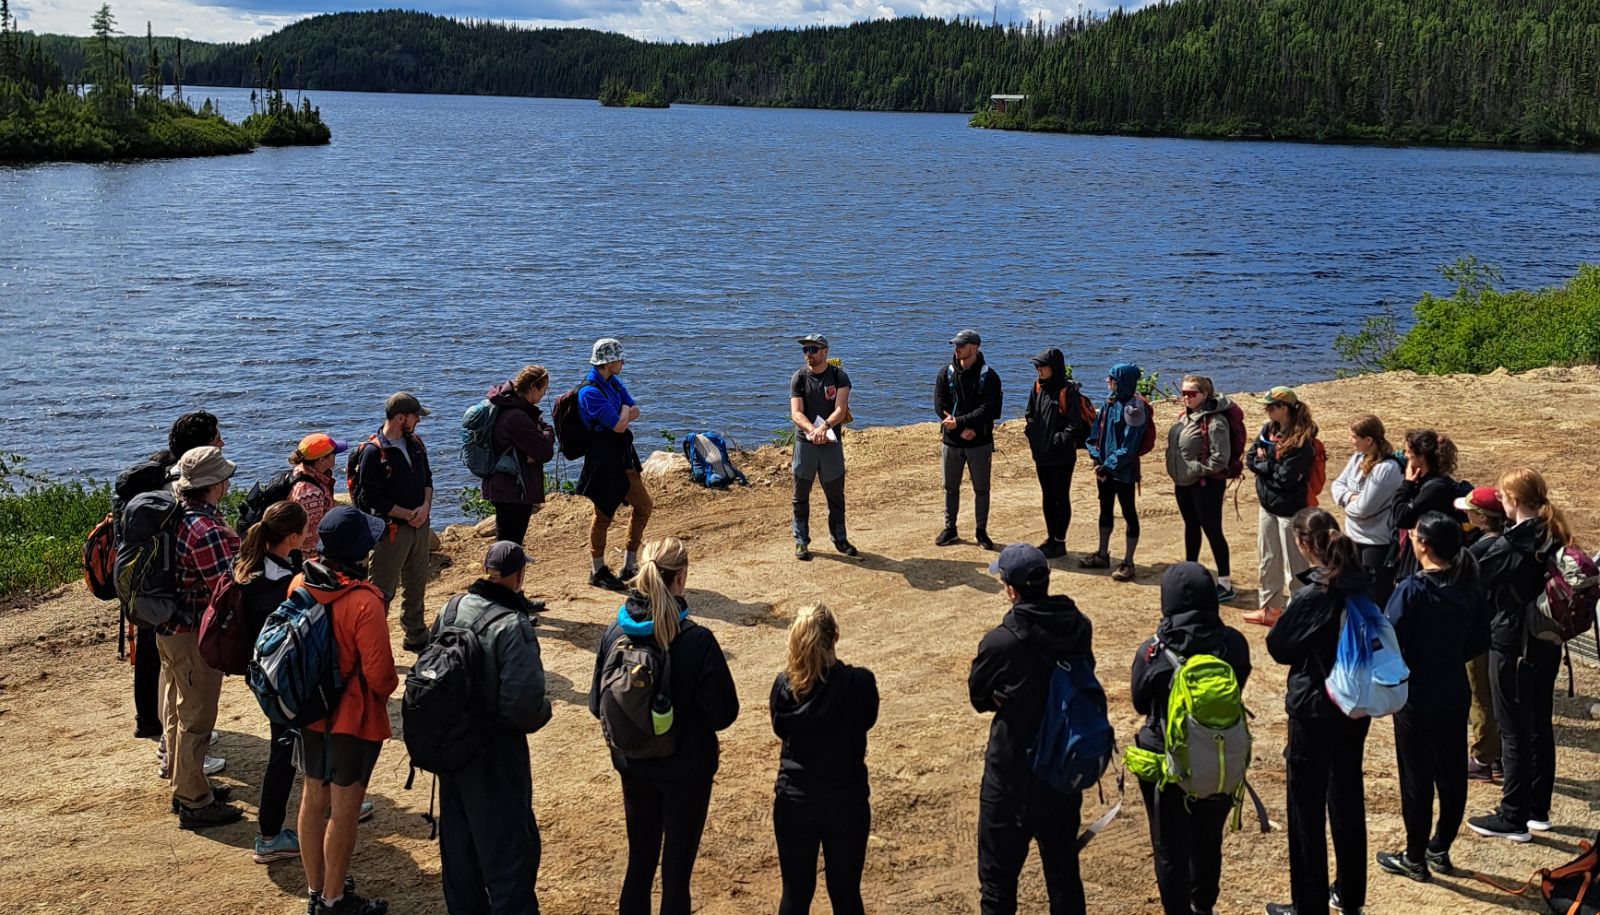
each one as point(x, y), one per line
point(974, 401)
point(1435, 492)
point(1441, 621)
point(1190, 625)
point(824, 735)
point(1513, 569)
point(1052, 431)
point(1011, 677)
point(1306, 638)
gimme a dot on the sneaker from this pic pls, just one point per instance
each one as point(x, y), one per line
point(982, 537)
point(1403, 866)
point(353, 904)
point(1496, 826)
point(149, 734)
point(1095, 561)
point(846, 548)
point(946, 537)
point(281, 847)
point(313, 902)
point(415, 646)
point(1265, 616)
point(1479, 772)
point(1124, 572)
point(1053, 549)
point(1440, 861)
point(1278, 908)
point(213, 765)
point(1499, 770)
point(362, 815)
point(215, 813)
point(215, 736)
point(602, 578)
point(628, 573)
point(1539, 825)
point(1225, 594)
point(220, 794)
point(802, 551)
point(1336, 902)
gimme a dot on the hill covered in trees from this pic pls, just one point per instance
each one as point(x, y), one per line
point(1458, 71)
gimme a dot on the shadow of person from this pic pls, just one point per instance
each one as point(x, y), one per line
point(926, 574)
point(711, 605)
point(561, 689)
point(584, 634)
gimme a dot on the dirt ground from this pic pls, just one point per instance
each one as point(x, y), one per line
point(84, 826)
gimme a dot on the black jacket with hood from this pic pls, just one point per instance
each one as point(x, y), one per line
point(1190, 625)
point(1513, 569)
point(1441, 621)
point(1306, 638)
point(1053, 433)
point(824, 735)
point(1011, 677)
point(1282, 475)
point(974, 402)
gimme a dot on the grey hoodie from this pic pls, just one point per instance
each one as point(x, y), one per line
point(1188, 459)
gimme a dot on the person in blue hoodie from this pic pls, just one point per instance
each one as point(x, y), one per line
point(665, 798)
point(1114, 448)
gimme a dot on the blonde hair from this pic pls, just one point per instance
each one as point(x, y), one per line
point(663, 561)
point(530, 378)
point(1207, 390)
point(811, 639)
point(1526, 486)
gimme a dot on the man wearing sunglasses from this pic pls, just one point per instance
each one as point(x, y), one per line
point(966, 396)
point(819, 401)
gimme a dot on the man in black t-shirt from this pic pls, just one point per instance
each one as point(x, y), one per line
point(819, 398)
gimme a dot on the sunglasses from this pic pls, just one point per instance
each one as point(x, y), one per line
point(1189, 393)
point(811, 350)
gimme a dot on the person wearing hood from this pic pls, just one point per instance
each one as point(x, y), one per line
point(1054, 427)
point(1114, 444)
point(1185, 833)
point(1522, 668)
point(1010, 677)
point(488, 837)
point(1284, 458)
point(967, 399)
point(1324, 783)
point(337, 761)
point(519, 430)
point(665, 799)
point(1199, 449)
point(822, 709)
point(1440, 620)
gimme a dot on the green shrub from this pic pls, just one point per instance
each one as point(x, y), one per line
point(43, 526)
point(473, 504)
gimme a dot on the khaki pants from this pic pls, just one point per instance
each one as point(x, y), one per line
point(639, 500)
point(1482, 731)
point(403, 563)
point(1280, 560)
point(193, 689)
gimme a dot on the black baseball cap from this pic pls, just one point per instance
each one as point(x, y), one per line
point(505, 558)
point(1020, 565)
point(348, 534)
point(967, 336)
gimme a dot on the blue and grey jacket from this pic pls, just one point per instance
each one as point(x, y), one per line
point(1114, 442)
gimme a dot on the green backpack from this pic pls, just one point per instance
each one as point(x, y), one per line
point(1207, 734)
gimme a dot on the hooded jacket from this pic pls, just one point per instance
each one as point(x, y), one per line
point(510, 657)
point(1283, 475)
point(974, 401)
point(1190, 625)
point(1119, 427)
point(1199, 445)
point(1011, 677)
point(1306, 638)
point(704, 700)
point(1441, 620)
point(824, 756)
point(366, 660)
point(519, 428)
point(1512, 569)
point(1052, 431)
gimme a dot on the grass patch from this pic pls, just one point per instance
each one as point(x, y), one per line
point(43, 525)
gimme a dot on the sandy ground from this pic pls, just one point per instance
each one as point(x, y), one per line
point(83, 820)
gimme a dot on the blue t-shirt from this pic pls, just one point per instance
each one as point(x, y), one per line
point(600, 403)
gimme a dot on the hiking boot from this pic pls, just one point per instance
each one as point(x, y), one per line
point(1124, 572)
point(220, 794)
point(946, 537)
point(845, 548)
point(415, 646)
point(215, 813)
point(149, 733)
point(353, 904)
point(1496, 826)
point(281, 847)
point(1539, 825)
point(1053, 549)
point(1440, 861)
point(1264, 616)
point(1278, 908)
point(602, 578)
point(1403, 866)
point(802, 551)
point(982, 537)
point(1095, 561)
point(1479, 772)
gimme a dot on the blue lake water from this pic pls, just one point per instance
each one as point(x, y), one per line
point(442, 242)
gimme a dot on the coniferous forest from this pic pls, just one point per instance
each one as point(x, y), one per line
point(1451, 71)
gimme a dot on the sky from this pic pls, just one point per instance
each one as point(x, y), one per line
point(667, 20)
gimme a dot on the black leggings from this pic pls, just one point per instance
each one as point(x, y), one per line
point(1055, 486)
point(1201, 508)
point(278, 780)
point(146, 680)
point(1112, 489)
point(1186, 845)
point(839, 829)
point(1431, 748)
point(511, 520)
point(657, 811)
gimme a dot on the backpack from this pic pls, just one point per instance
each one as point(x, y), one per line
point(146, 571)
point(636, 700)
point(1207, 735)
point(477, 442)
point(1075, 740)
point(572, 432)
point(145, 476)
point(225, 640)
point(1081, 420)
point(710, 464)
point(263, 496)
point(1317, 476)
point(1574, 887)
point(1369, 678)
point(1147, 441)
point(352, 468)
point(294, 668)
point(444, 716)
point(1236, 436)
point(955, 391)
point(100, 559)
point(1565, 609)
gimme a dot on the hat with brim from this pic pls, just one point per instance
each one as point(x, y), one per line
point(319, 445)
point(203, 467)
point(1280, 395)
point(505, 558)
point(1485, 499)
point(967, 336)
point(404, 403)
point(1020, 565)
point(813, 340)
point(348, 534)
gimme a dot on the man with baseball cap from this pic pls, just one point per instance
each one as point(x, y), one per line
point(819, 401)
point(1011, 678)
point(611, 468)
point(313, 464)
point(393, 481)
point(489, 844)
point(966, 397)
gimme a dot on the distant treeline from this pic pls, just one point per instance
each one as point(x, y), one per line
point(1489, 71)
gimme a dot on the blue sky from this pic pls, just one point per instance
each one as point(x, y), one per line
point(689, 20)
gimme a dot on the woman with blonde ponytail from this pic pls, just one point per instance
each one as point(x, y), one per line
point(665, 798)
point(822, 709)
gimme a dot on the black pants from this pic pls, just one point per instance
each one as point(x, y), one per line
point(1523, 707)
point(834, 491)
point(657, 811)
point(1201, 508)
point(488, 838)
point(146, 682)
point(1055, 485)
point(278, 780)
point(1007, 822)
point(1372, 561)
point(1113, 490)
point(1431, 747)
point(1186, 838)
point(839, 829)
point(1324, 788)
point(511, 520)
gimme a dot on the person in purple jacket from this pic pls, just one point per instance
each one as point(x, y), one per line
point(521, 430)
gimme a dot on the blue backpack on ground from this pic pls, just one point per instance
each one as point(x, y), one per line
point(1369, 678)
point(294, 671)
point(1075, 740)
point(709, 461)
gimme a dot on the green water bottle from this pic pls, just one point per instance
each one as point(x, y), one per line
point(661, 713)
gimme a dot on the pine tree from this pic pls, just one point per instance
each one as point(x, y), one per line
point(152, 64)
point(10, 56)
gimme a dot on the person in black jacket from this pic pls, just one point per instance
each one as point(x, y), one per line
point(1428, 487)
point(1440, 621)
point(822, 710)
point(1054, 427)
point(967, 399)
point(665, 799)
point(1185, 835)
point(1282, 457)
point(1011, 678)
point(393, 481)
point(520, 432)
point(1522, 669)
point(1488, 519)
point(1325, 747)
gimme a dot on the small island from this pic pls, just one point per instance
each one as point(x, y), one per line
point(100, 115)
point(616, 93)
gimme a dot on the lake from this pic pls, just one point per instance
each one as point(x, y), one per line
point(442, 242)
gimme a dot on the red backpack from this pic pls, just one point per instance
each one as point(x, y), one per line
point(1236, 435)
point(1147, 443)
point(1566, 608)
point(226, 641)
point(100, 559)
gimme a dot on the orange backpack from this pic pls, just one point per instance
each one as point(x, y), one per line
point(1086, 412)
point(1318, 477)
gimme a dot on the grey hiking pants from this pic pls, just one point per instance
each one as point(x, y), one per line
point(977, 459)
point(488, 839)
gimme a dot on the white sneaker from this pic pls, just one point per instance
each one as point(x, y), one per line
point(1539, 825)
point(213, 765)
point(215, 736)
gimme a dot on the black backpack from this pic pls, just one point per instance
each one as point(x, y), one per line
point(571, 431)
point(636, 699)
point(146, 570)
point(143, 477)
point(444, 715)
point(264, 495)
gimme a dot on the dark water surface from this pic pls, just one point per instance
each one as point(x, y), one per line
point(442, 242)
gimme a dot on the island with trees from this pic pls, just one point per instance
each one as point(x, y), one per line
point(616, 93)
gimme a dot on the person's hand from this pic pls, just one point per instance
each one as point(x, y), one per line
point(968, 435)
point(948, 423)
point(1414, 471)
point(819, 435)
point(633, 413)
point(419, 517)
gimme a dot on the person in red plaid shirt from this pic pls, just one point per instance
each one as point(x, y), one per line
point(203, 554)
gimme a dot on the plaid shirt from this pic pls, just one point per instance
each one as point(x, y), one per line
point(316, 498)
point(204, 554)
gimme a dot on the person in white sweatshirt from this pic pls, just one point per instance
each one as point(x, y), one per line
point(1365, 490)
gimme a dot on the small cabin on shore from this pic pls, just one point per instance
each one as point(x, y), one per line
point(1001, 100)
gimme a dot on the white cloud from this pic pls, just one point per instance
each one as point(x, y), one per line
point(166, 17)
